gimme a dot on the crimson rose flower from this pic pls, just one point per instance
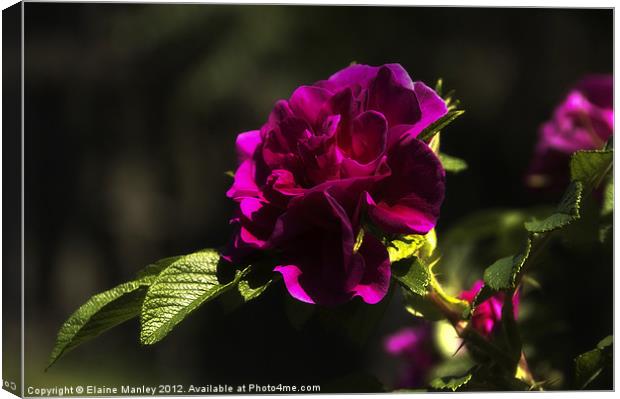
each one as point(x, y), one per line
point(583, 121)
point(488, 314)
point(338, 152)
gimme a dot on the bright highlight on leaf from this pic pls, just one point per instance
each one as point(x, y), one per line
point(412, 245)
point(180, 289)
point(412, 275)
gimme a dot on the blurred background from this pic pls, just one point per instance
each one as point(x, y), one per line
point(131, 116)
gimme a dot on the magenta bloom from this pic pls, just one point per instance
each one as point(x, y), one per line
point(488, 314)
point(583, 121)
point(335, 153)
point(414, 345)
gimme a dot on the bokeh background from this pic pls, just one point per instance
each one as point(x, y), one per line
point(131, 116)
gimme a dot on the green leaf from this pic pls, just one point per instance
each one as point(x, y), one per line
point(439, 124)
point(187, 283)
point(502, 274)
point(498, 276)
point(439, 87)
point(566, 212)
point(608, 198)
point(605, 342)
point(589, 365)
point(452, 383)
point(412, 275)
point(591, 167)
point(105, 310)
point(412, 245)
point(452, 164)
point(248, 293)
point(484, 294)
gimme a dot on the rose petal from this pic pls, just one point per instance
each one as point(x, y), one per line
point(397, 103)
point(357, 74)
point(361, 75)
point(409, 200)
point(257, 221)
point(599, 89)
point(368, 137)
point(247, 143)
point(281, 187)
point(316, 237)
point(376, 266)
point(244, 184)
point(307, 103)
point(291, 274)
point(432, 107)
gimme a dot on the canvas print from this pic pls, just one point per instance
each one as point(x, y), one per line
point(287, 199)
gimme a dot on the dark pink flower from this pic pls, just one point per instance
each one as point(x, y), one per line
point(487, 314)
point(414, 345)
point(333, 153)
point(583, 121)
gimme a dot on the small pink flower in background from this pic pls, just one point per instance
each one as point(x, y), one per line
point(487, 314)
point(583, 121)
point(334, 153)
point(414, 345)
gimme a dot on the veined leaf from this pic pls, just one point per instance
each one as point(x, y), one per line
point(591, 167)
point(439, 124)
point(187, 283)
point(452, 164)
point(106, 310)
point(412, 275)
point(566, 213)
point(498, 276)
point(501, 275)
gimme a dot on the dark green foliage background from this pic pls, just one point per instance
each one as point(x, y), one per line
point(131, 117)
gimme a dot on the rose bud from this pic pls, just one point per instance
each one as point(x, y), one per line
point(488, 314)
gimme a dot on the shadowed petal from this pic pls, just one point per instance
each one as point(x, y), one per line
point(409, 200)
point(397, 103)
point(376, 265)
point(307, 103)
point(368, 137)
